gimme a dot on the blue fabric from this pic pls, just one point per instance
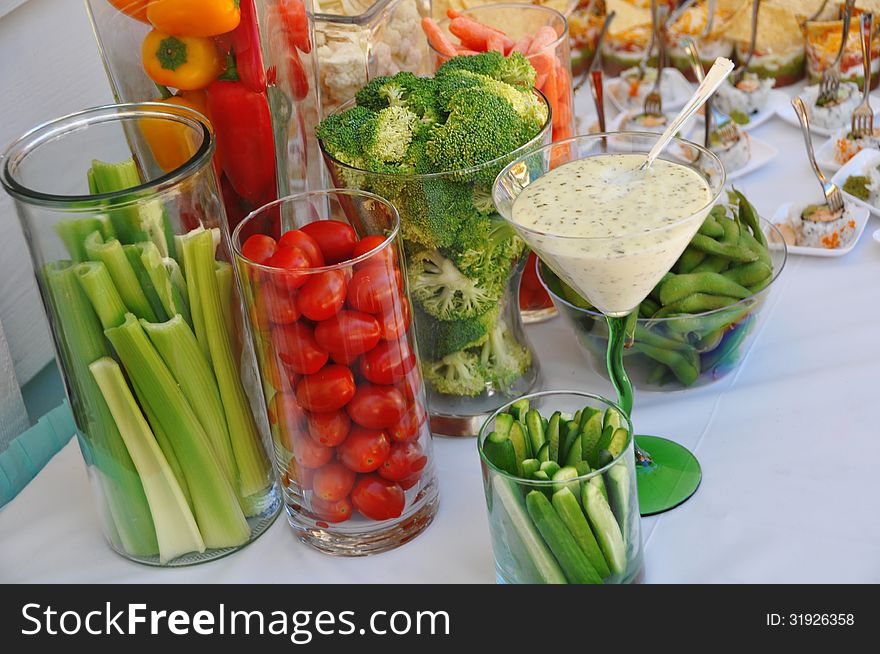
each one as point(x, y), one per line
point(29, 452)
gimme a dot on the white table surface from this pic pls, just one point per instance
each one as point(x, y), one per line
point(789, 445)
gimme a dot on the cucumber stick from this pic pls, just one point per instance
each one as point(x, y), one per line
point(605, 526)
point(591, 433)
point(530, 467)
point(563, 478)
point(619, 497)
point(586, 415)
point(554, 429)
point(553, 441)
point(568, 553)
point(550, 467)
point(521, 445)
point(617, 442)
point(567, 445)
point(546, 566)
point(503, 423)
point(612, 418)
point(502, 455)
point(519, 409)
point(535, 427)
point(543, 455)
point(568, 508)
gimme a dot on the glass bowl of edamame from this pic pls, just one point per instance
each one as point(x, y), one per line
point(700, 320)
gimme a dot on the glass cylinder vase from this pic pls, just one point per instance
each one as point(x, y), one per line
point(139, 290)
point(464, 268)
point(247, 65)
point(337, 359)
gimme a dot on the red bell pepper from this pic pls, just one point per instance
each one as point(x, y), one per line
point(246, 45)
point(294, 22)
point(243, 126)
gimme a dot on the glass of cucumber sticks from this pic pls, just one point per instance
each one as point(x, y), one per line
point(138, 286)
point(560, 481)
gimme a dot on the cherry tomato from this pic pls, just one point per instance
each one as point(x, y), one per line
point(278, 304)
point(289, 259)
point(351, 332)
point(408, 428)
point(370, 243)
point(328, 389)
point(323, 295)
point(377, 498)
point(310, 453)
point(297, 348)
point(394, 323)
point(333, 482)
point(298, 238)
point(336, 239)
point(372, 290)
point(259, 248)
point(344, 358)
point(403, 461)
point(332, 511)
point(364, 450)
point(300, 475)
point(284, 410)
point(376, 407)
point(329, 428)
point(388, 362)
point(410, 481)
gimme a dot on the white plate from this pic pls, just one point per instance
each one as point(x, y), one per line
point(675, 88)
point(762, 153)
point(614, 124)
point(857, 166)
point(774, 100)
point(856, 211)
point(825, 152)
point(786, 112)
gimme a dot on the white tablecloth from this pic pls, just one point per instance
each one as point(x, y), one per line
point(789, 445)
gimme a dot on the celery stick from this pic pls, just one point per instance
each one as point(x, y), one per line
point(220, 519)
point(80, 342)
point(176, 529)
point(178, 288)
point(121, 272)
point(73, 232)
point(168, 294)
point(178, 348)
point(198, 252)
point(133, 254)
point(192, 293)
point(101, 292)
point(223, 272)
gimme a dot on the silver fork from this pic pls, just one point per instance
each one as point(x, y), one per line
point(721, 122)
point(654, 99)
point(643, 62)
point(830, 83)
point(814, 16)
point(833, 196)
point(597, 57)
point(863, 116)
point(737, 76)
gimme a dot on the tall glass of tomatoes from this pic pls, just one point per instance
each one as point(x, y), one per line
point(330, 322)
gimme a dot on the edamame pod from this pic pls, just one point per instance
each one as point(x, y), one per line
point(712, 263)
point(749, 217)
point(733, 251)
point(685, 368)
point(749, 274)
point(680, 287)
point(689, 259)
point(711, 227)
point(731, 231)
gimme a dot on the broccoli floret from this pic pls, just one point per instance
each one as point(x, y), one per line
point(418, 94)
point(486, 250)
point(443, 291)
point(437, 338)
point(459, 373)
point(481, 127)
point(503, 359)
point(386, 138)
point(341, 134)
point(481, 197)
point(528, 105)
point(435, 210)
point(513, 69)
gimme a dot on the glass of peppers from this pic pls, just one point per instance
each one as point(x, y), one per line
point(247, 65)
point(330, 322)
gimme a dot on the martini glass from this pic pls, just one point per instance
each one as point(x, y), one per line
point(615, 267)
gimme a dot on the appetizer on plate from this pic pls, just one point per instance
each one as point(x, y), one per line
point(836, 113)
point(823, 43)
point(690, 25)
point(846, 146)
point(747, 98)
point(734, 151)
point(628, 36)
point(865, 187)
point(816, 226)
point(643, 122)
point(584, 24)
point(779, 50)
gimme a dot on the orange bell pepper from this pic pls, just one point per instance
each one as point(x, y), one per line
point(181, 62)
point(134, 8)
point(194, 17)
point(171, 143)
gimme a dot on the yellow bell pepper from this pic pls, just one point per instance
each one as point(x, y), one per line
point(181, 62)
point(134, 8)
point(172, 144)
point(194, 17)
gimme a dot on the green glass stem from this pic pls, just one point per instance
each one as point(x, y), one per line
point(620, 334)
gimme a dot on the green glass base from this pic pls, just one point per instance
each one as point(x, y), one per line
point(672, 478)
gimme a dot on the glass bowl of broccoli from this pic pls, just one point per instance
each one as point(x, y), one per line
point(432, 147)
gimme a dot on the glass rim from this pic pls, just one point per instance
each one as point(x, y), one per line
point(511, 6)
point(545, 129)
point(357, 19)
point(601, 136)
point(57, 128)
point(306, 195)
point(597, 314)
point(482, 435)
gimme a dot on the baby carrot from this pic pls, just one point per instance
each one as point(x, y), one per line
point(475, 35)
point(522, 46)
point(543, 38)
point(452, 13)
point(437, 38)
point(544, 64)
point(496, 43)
